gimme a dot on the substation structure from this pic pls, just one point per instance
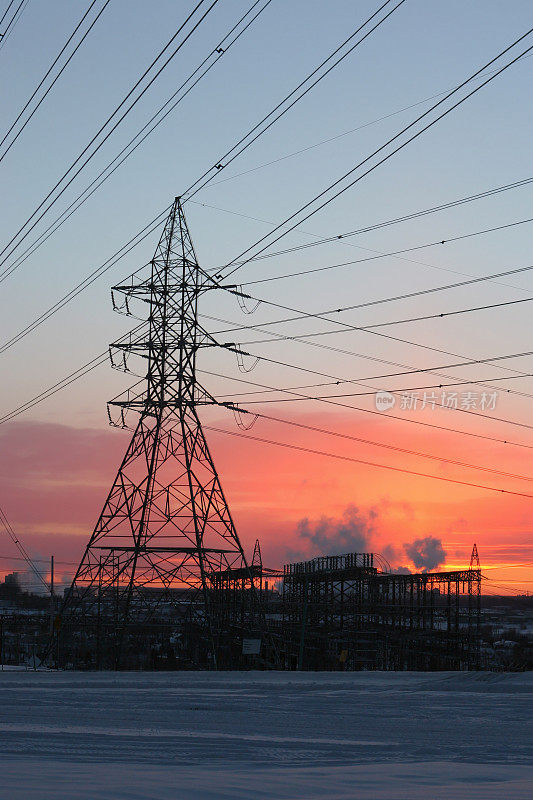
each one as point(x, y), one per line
point(342, 612)
point(338, 612)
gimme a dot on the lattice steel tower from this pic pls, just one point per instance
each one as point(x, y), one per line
point(165, 533)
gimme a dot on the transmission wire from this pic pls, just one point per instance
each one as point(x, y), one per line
point(378, 150)
point(56, 77)
point(312, 451)
point(8, 270)
point(89, 190)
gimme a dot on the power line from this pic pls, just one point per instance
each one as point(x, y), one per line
point(88, 281)
point(395, 298)
point(221, 49)
point(223, 161)
point(334, 138)
point(375, 389)
point(80, 23)
point(84, 370)
point(376, 152)
point(397, 374)
point(404, 320)
point(403, 391)
point(395, 391)
point(56, 387)
point(61, 303)
point(417, 370)
point(393, 253)
point(302, 338)
point(348, 326)
point(376, 226)
point(339, 457)
point(12, 535)
point(386, 446)
point(327, 375)
point(9, 270)
point(322, 142)
point(6, 12)
point(101, 270)
point(19, 410)
point(97, 361)
point(375, 412)
point(462, 200)
point(504, 586)
point(12, 22)
point(324, 315)
point(102, 358)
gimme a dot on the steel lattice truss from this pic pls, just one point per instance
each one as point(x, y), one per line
point(418, 620)
point(165, 530)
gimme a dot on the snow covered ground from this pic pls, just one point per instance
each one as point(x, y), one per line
point(340, 736)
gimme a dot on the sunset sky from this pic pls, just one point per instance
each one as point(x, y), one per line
point(59, 458)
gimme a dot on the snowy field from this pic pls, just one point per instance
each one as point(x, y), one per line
point(340, 736)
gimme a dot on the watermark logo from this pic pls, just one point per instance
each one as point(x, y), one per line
point(419, 400)
point(385, 401)
point(463, 401)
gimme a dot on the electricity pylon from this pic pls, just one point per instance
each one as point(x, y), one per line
point(474, 558)
point(474, 605)
point(165, 530)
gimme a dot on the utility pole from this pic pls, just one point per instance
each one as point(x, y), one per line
point(52, 599)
